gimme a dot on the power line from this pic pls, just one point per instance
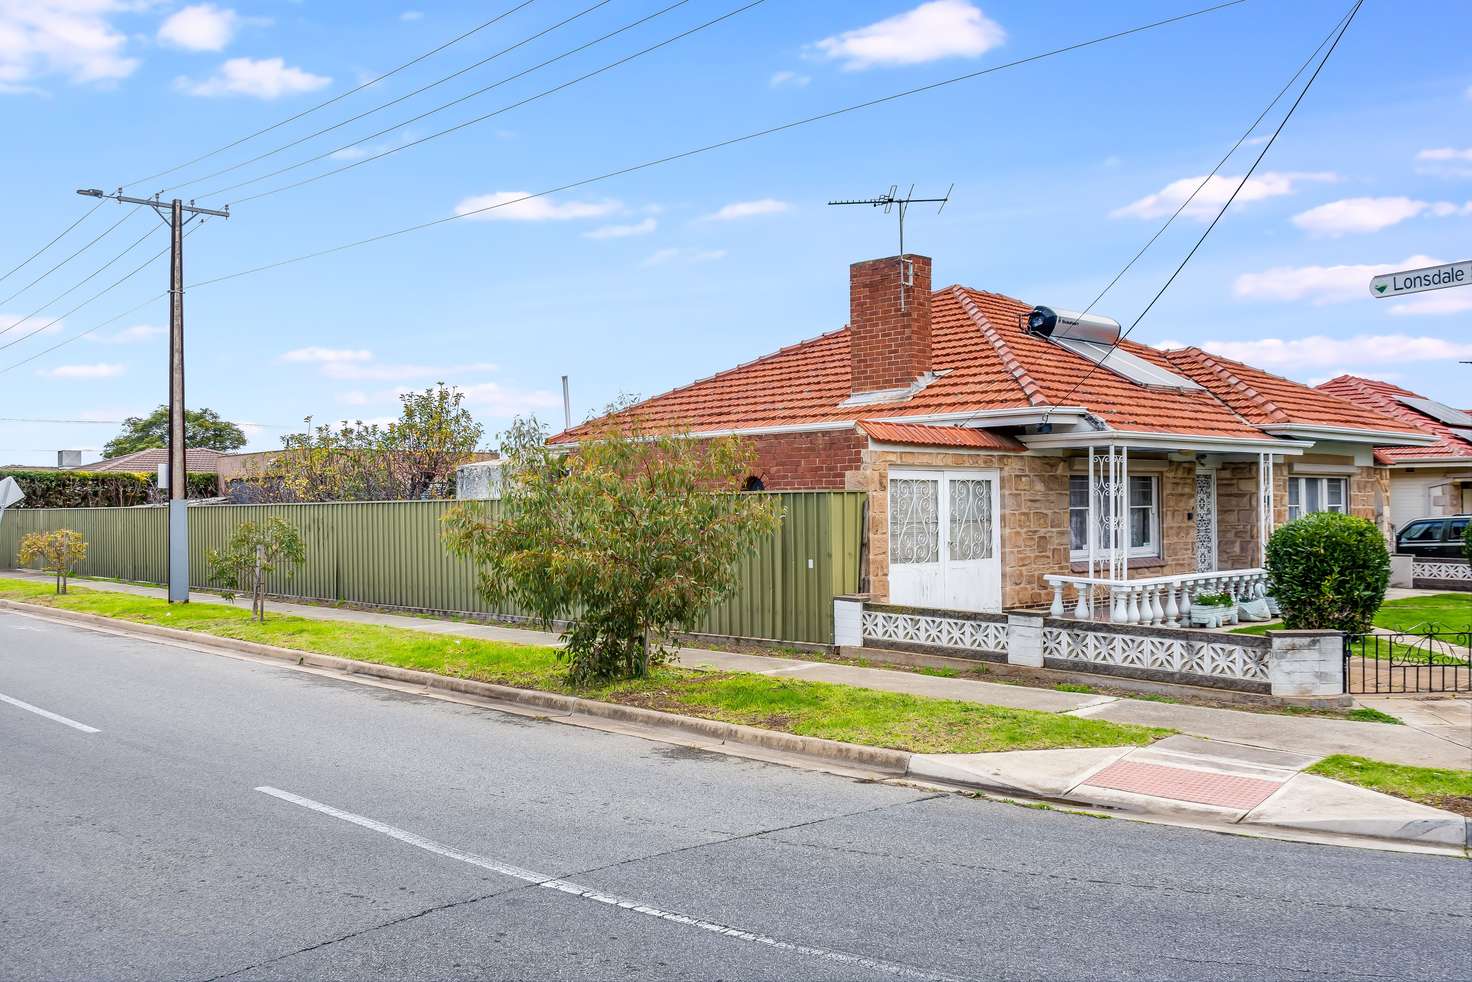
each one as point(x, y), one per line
point(107, 289)
point(96, 327)
point(721, 144)
point(322, 105)
point(85, 215)
point(1233, 197)
point(111, 320)
point(392, 102)
point(482, 118)
point(136, 243)
point(68, 259)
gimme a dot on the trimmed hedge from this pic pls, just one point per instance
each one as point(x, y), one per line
point(1329, 572)
point(91, 489)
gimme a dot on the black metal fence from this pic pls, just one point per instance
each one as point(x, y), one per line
point(1432, 660)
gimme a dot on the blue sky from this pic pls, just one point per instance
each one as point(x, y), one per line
point(1062, 169)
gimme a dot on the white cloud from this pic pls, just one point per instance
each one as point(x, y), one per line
point(72, 38)
point(497, 401)
point(622, 231)
point(391, 372)
point(1445, 162)
point(788, 79)
point(327, 355)
point(1318, 350)
point(94, 371)
point(359, 151)
point(25, 324)
point(361, 365)
point(259, 78)
point(200, 27)
point(410, 15)
point(1319, 284)
point(1269, 184)
point(662, 256)
point(1349, 215)
point(137, 334)
point(510, 206)
point(1456, 300)
point(932, 31)
point(747, 209)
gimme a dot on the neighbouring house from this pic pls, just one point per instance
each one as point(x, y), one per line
point(1012, 454)
point(197, 460)
point(1425, 481)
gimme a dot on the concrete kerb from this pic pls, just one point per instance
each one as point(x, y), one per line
point(894, 762)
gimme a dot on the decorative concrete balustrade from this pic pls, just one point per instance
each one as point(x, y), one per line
point(1430, 569)
point(1153, 600)
point(1287, 664)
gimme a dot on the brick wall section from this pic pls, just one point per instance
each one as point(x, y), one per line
point(1369, 497)
point(889, 347)
point(1236, 511)
point(819, 461)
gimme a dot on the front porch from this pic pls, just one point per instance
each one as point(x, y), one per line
point(1122, 532)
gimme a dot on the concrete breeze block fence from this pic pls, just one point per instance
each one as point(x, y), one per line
point(1285, 664)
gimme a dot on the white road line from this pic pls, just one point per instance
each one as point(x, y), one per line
point(586, 893)
point(49, 715)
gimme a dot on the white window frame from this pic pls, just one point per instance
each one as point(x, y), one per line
point(1298, 494)
point(1151, 548)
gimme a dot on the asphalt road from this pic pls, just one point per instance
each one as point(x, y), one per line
point(404, 837)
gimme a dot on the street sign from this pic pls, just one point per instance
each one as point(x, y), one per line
point(1421, 280)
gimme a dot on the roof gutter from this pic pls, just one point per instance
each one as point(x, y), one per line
point(1349, 434)
point(1165, 441)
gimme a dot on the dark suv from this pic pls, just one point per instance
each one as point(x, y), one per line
point(1433, 538)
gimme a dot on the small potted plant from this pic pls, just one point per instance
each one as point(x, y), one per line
point(1212, 609)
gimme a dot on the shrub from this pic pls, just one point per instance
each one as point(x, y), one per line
point(1467, 542)
point(635, 535)
point(1216, 600)
point(98, 489)
point(252, 553)
point(1329, 571)
point(58, 551)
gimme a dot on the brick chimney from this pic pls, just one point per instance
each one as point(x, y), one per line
point(889, 344)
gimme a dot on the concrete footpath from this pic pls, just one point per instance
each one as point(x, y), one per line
point(1229, 768)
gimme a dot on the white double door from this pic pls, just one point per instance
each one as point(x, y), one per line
point(945, 539)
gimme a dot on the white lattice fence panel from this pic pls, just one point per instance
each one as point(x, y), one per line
point(935, 631)
point(1160, 654)
point(1441, 571)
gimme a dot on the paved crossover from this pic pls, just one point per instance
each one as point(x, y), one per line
point(171, 814)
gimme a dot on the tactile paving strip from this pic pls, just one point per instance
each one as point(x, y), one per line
point(1185, 784)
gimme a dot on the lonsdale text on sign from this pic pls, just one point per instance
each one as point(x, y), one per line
point(1421, 280)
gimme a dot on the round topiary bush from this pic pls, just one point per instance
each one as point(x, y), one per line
point(1329, 572)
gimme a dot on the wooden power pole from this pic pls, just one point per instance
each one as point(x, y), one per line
point(178, 470)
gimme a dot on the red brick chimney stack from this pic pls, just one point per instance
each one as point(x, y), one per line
point(889, 342)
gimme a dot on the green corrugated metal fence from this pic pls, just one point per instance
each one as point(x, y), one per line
point(390, 554)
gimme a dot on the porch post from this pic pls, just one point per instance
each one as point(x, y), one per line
point(1264, 505)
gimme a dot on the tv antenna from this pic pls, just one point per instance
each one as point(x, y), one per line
point(888, 202)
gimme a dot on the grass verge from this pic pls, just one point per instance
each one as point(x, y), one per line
point(1446, 789)
point(835, 712)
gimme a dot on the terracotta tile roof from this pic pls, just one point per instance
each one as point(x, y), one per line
point(1266, 399)
point(1384, 398)
point(197, 460)
point(986, 360)
point(923, 435)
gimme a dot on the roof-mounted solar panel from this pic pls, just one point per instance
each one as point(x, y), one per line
point(1126, 365)
point(1437, 410)
point(1464, 432)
